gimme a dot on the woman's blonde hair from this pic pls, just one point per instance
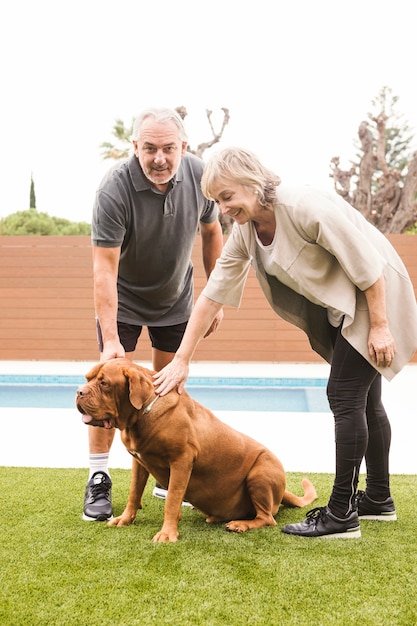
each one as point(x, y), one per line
point(245, 168)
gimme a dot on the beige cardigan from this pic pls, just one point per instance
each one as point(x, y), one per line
point(333, 254)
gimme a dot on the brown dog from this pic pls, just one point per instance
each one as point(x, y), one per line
point(220, 471)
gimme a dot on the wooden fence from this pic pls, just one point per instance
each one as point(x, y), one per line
point(47, 310)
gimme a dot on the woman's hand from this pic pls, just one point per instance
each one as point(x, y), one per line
point(172, 375)
point(381, 343)
point(203, 316)
point(381, 346)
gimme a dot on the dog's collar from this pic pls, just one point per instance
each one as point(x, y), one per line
point(147, 408)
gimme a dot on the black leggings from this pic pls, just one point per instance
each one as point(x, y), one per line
point(362, 428)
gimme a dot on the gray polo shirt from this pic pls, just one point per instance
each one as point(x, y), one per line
point(156, 233)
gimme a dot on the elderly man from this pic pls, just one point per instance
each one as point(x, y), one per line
point(147, 213)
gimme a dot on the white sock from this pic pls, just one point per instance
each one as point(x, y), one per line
point(99, 463)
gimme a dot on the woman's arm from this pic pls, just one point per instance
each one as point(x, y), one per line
point(175, 373)
point(381, 344)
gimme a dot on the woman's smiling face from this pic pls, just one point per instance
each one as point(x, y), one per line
point(235, 200)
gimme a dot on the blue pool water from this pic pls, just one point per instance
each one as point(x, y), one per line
point(221, 394)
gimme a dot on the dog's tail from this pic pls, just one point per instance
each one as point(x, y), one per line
point(310, 494)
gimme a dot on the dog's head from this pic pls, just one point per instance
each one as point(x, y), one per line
point(114, 392)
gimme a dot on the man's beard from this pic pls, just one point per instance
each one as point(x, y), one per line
point(159, 180)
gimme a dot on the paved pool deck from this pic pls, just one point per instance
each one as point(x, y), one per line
point(303, 441)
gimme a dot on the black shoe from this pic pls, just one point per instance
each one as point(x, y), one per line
point(160, 492)
point(97, 499)
point(320, 522)
point(370, 509)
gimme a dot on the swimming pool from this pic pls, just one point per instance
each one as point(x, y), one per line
point(304, 441)
point(217, 393)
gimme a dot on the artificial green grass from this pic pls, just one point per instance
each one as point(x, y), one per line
point(57, 569)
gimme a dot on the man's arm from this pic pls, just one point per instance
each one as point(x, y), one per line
point(105, 269)
point(212, 244)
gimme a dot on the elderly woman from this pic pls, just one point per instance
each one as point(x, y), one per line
point(325, 269)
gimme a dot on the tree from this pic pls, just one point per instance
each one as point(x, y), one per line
point(32, 196)
point(123, 134)
point(385, 174)
point(31, 222)
point(202, 147)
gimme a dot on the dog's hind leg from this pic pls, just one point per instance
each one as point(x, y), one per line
point(265, 492)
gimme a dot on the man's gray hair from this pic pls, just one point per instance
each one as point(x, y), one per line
point(162, 116)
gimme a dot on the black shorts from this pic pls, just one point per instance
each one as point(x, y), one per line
point(164, 338)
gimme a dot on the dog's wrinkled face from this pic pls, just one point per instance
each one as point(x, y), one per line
point(113, 390)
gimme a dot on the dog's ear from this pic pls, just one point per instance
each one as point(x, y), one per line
point(94, 371)
point(140, 387)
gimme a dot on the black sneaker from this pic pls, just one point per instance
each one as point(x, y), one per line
point(160, 492)
point(320, 522)
point(370, 509)
point(97, 499)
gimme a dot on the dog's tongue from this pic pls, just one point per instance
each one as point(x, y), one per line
point(109, 423)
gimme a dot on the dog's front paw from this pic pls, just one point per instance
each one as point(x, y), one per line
point(122, 520)
point(242, 525)
point(166, 536)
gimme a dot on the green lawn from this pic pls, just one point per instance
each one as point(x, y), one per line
point(57, 569)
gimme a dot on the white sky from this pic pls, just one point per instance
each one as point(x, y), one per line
point(298, 77)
